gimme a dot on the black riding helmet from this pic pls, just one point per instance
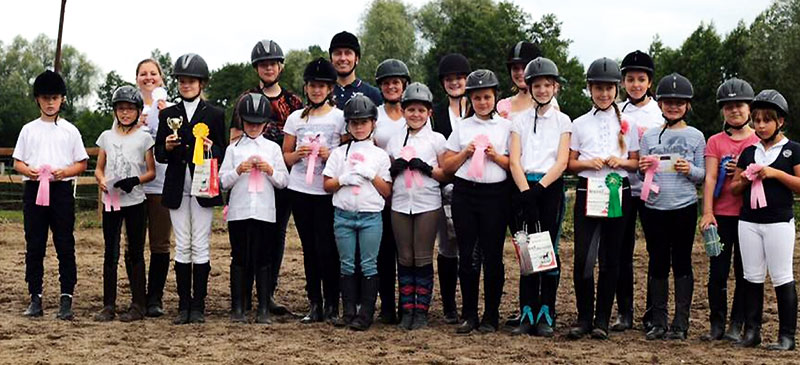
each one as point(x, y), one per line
point(266, 50)
point(522, 53)
point(254, 108)
point(418, 92)
point(539, 67)
point(128, 94)
point(481, 79)
point(674, 86)
point(392, 68)
point(345, 39)
point(360, 107)
point(734, 89)
point(638, 60)
point(771, 99)
point(191, 65)
point(320, 70)
point(49, 83)
point(453, 64)
point(604, 70)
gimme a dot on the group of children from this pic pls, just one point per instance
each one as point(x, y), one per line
point(374, 177)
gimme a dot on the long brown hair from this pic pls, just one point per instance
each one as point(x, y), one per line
point(158, 67)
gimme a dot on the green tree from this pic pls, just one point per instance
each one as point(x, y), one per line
point(228, 82)
point(106, 91)
point(294, 65)
point(387, 31)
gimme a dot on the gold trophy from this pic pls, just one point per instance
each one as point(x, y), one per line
point(175, 124)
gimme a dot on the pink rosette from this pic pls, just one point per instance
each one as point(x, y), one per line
point(504, 107)
point(411, 176)
point(111, 201)
point(356, 158)
point(648, 185)
point(315, 144)
point(478, 162)
point(255, 183)
point(624, 126)
point(758, 198)
point(43, 194)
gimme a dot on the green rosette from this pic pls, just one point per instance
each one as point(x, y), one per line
point(613, 182)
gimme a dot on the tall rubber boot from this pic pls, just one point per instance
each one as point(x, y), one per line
point(408, 295)
point(247, 288)
point(717, 306)
point(787, 316)
point(546, 318)
point(199, 291)
point(658, 292)
point(237, 293)
point(647, 317)
point(528, 299)
point(753, 311)
point(263, 285)
point(423, 279)
point(138, 286)
point(684, 288)
point(159, 267)
point(366, 310)
point(349, 287)
point(183, 282)
point(448, 280)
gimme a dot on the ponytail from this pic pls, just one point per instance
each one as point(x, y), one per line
point(621, 135)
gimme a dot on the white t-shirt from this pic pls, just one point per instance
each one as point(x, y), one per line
point(243, 204)
point(386, 128)
point(540, 149)
point(497, 129)
point(125, 157)
point(329, 128)
point(646, 117)
point(595, 136)
point(368, 198)
point(156, 186)
point(427, 145)
point(46, 143)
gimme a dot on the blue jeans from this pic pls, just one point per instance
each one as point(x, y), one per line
point(364, 229)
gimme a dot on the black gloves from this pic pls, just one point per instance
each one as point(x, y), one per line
point(398, 166)
point(127, 183)
point(528, 204)
point(531, 196)
point(421, 166)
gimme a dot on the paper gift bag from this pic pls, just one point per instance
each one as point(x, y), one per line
point(205, 182)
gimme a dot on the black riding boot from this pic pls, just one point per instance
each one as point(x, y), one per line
point(183, 282)
point(159, 268)
point(369, 294)
point(684, 288)
point(753, 311)
point(787, 315)
point(658, 293)
point(349, 287)
point(237, 292)
point(448, 280)
point(200, 290)
point(263, 284)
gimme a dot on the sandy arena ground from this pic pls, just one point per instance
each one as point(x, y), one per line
point(47, 340)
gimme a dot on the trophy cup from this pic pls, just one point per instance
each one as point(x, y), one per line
point(175, 124)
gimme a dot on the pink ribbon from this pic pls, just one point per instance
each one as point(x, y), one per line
point(255, 183)
point(648, 184)
point(504, 107)
point(111, 201)
point(355, 158)
point(43, 195)
point(411, 176)
point(314, 143)
point(758, 198)
point(476, 166)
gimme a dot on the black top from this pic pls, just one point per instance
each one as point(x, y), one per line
point(179, 157)
point(779, 197)
point(441, 119)
point(341, 94)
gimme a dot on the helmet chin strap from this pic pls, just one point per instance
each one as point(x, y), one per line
point(669, 123)
point(736, 127)
point(536, 111)
point(774, 134)
point(190, 99)
point(348, 73)
point(616, 93)
point(127, 127)
point(267, 85)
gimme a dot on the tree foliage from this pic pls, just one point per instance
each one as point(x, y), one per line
point(387, 31)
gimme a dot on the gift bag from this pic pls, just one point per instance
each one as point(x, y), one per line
point(205, 182)
point(541, 252)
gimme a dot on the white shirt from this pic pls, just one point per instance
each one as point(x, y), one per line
point(125, 157)
point(540, 149)
point(767, 157)
point(386, 127)
point(454, 119)
point(497, 129)
point(191, 107)
point(595, 136)
point(330, 128)
point(244, 204)
point(364, 152)
point(156, 186)
point(428, 145)
point(46, 143)
point(646, 117)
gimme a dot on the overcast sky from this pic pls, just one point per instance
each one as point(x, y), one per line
point(115, 35)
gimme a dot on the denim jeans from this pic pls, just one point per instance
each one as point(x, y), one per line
point(364, 229)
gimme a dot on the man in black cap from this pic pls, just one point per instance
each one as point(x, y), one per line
point(345, 52)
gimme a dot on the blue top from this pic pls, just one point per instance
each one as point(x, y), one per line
point(343, 93)
point(676, 189)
